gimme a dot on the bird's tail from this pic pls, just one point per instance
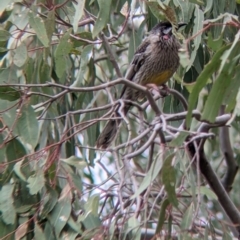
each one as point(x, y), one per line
point(108, 134)
point(110, 130)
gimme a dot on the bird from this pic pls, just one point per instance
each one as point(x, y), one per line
point(153, 64)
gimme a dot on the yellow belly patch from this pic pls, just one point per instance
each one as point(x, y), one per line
point(159, 79)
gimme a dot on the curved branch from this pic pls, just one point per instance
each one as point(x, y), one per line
point(180, 97)
point(227, 151)
point(209, 174)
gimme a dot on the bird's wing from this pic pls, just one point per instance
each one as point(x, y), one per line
point(137, 62)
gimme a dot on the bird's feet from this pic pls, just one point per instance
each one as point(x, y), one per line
point(163, 92)
point(154, 89)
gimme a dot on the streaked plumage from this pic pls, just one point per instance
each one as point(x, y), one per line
point(154, 62)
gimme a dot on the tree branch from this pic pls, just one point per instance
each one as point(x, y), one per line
point(211, 176)
point(227, 151)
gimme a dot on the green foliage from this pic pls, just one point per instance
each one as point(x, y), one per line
point(169, 180)
point(57, 90)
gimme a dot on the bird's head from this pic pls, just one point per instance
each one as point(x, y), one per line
point(164, 30)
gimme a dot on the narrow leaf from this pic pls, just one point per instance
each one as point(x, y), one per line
point(17, 170)
point(222, 84)
point(92, 205)
point(38, 25)
point(20, 56)
point(214, 44)
point(84, 37)
point(61, 212)
point(4, 35)
point(202, 79)
point(198, 25)
point(226, 54)
point(15, 150)
point(75, 162)
point(48, 202)
point(208, 192)
point(85, 57)
point(8, 75)
point(38, 232)
point(8, 118)
point(6, 204)
point(150, 176)
point(103, 16)
point(6, 230)
point(215, 98)
point(232, 91)
point(69, 235)
point(187, 218)
point(134, 227)
point(27, 126)
point(36, 182)
point(161, 218)
point(169, 180)
point(208, 6)
point(8, 93)
point(78, 13)
point(61, 53)
point(178, 141)
point(50, 24)
point(91, 221)
point(28, 70)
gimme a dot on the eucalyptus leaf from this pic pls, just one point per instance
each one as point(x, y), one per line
point(169, 179)
point(36, 182)
point(85, 58)
point(61, 53)
point(38, 25)
point(150, 176)
point(197, 32)
point(161, 218)
point(4, 35)
point(8, 75)
point(222, 83)
point(20, 56)
point(202, 79)
point(187, 218)
point(70, 235)
point(49, 201)
point(75, 161)
point(79, 7)
point(91, 221)
point(216, 96)
point(27, 126)
point(49, 24)
point(17, 170)
point(38, 232)
point(6, 204)
point(134, 228)
point(8, 93)
point(103, 16)
point(14, 151)
point(61, 212)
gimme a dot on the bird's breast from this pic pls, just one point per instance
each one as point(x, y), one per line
point(160, 78)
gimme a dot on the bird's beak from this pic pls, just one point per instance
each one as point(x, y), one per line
point(180, 25)
point(167, 30)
